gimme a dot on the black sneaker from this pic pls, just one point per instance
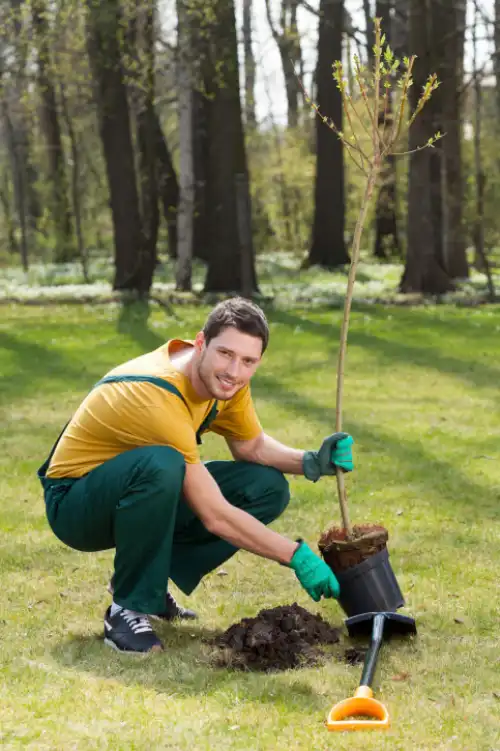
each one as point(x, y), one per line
point(128, 631)
point(172, 608)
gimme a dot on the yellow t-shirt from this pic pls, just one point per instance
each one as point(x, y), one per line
point(117, 417)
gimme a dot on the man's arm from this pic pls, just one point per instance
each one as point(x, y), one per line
point(230, 523)
point(268, 451)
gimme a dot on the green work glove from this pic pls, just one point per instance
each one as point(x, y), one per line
point(313, 573)
point(335, 452)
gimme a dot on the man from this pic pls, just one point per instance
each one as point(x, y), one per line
point(126, 474)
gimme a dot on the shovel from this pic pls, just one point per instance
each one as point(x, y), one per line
point(362, 711)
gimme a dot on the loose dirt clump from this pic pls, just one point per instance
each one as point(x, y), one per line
point(276, 639)
point(354, 655)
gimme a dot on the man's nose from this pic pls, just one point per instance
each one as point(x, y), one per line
point(233, 368)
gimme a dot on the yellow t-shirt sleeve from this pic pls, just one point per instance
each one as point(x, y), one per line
point(238, 418)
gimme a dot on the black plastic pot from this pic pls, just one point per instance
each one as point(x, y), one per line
point(370, 587)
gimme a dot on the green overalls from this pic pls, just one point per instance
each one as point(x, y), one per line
point(134, 503)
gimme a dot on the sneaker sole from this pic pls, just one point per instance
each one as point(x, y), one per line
point(153, 650)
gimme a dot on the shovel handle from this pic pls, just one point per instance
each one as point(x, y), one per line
point(372, 654)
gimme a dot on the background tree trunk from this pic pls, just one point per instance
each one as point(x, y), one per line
point(103, 31)
point(145, 126)
point(249, 65)
point(424, 271)
point(450, 45)
point(185, 217)
point(386, 226)
point(75, 183)
point(168, 187)
point(50, 126)
point(19, 179)
point(401, 28)
point(496, 56)
point(328, 244)
point(199, 134)
point(226, 156)
point(370, 31)
point(288, 40)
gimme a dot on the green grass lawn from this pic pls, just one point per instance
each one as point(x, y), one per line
point(422, 401)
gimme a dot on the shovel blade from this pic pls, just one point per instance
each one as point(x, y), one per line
point(394, 623)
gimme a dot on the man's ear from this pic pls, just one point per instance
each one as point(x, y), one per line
point(199, 341)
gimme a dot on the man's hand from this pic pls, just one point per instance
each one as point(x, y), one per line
point(335, 452)
point(314, 574)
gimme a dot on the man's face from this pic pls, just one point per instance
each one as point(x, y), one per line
point(227, 363)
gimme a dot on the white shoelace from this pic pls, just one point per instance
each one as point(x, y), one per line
point(138, 622)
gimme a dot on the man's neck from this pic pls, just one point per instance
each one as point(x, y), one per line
point(184, 362)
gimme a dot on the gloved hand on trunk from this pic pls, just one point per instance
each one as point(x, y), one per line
point(335, 452)
point(313, 573)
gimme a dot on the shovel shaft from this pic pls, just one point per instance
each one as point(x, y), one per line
point(372, 654)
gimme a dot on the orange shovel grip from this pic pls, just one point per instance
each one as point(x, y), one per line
point(362, 704)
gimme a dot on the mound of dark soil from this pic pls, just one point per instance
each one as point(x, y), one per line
point(276, 639)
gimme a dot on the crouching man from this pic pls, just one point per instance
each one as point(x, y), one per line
point(126, 474)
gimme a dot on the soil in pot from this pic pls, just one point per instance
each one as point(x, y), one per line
point(276, 639)
point(341, 552)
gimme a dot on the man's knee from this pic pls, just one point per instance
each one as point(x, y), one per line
point(276, 489)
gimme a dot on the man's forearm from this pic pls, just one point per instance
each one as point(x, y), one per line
point(244, 531)
point(272, 453)
point(229, 522)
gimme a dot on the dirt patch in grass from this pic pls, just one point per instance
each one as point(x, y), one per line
point(355, 655)
point(277, 639)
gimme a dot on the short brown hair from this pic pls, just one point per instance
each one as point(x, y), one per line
point(240, 314)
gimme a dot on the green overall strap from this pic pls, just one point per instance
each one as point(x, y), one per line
point(141, 378)
point(206, 422)
point(168, 387)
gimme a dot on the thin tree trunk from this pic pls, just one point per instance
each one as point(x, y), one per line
point(287, 39)
point(386, 225)
point(19, 181)
point(481, 258)
point(496, 57)
point(370, 32)
point(145, 116)
point(400, 28)
point(328, 245)
point(168, 187)
point(75, 184)
point(185, 218)
point(249, 66)
point(7, 212)
point(200, 150)
point(49, 119)
point(453, 38)
point(20, 145)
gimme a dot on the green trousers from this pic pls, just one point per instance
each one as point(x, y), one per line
point(134, 503)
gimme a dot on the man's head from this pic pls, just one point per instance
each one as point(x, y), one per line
point(230, 347)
